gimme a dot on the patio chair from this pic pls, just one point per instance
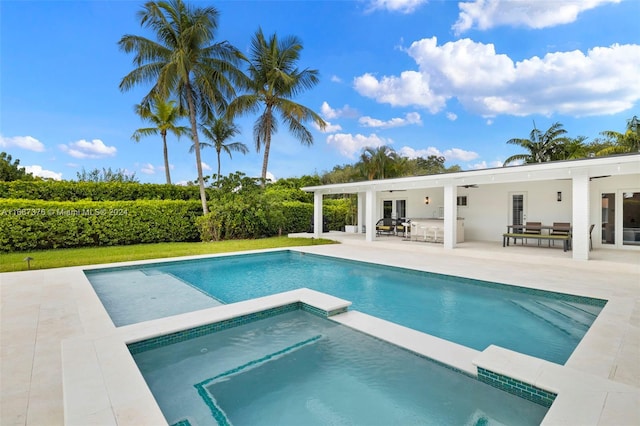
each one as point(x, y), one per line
point(559, 228)
point(402, 230)
point(385, 226)
point(532, 228)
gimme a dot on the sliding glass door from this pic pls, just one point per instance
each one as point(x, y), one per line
point(621, 218)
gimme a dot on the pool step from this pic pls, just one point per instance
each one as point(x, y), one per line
point(554, 317)
point(573, 312)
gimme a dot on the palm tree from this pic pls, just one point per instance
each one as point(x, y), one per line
point(185, 62)
point(275, 80)
point(219, 130)
point(542, 147)
point(378, 163)
point(629, 141)
point(163, 115)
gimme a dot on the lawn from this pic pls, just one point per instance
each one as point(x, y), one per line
point(59, 258)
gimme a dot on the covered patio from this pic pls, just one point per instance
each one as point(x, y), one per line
point(480, 205)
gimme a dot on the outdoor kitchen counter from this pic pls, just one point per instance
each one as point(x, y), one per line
point(438, 222)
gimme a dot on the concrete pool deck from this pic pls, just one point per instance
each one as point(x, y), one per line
point(54, 330)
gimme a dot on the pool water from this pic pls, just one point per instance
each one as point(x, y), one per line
point(473, 313)
point(299, 369)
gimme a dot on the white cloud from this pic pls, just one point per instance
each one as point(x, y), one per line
point(205, 166)
point(344, 112)
point(411, 153)
point(349, 145)
point(329, 128)
point(410, 88)
point(401, 6)
point(271, 176)
point(602, 81)
point(486, 14)
point(459, 154)
point(451, 116)
point(449, 154)
point(336, 79)
point(410, 118)
point(85, 149)
point(148, 169)
point(39, 171)
point(25, 142)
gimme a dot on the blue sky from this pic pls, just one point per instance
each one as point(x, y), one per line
point(448, 78)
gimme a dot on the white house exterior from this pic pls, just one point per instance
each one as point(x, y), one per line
point(603, 191)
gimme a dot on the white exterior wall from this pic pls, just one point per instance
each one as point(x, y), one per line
point(487, 213)
point(415, 202)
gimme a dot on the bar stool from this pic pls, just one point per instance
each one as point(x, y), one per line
point(434, 230)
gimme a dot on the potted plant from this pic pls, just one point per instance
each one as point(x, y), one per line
point(351, 219)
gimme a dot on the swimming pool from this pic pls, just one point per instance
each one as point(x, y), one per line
point(296, 368)
point(469, 312)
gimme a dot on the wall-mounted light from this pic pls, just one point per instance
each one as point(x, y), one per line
point(559, 196)
point(427, 200)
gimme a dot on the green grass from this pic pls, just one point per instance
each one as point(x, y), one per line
point(59, 258)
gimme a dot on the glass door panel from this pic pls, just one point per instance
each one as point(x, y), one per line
point(631, 218)
point(608, 218)
point(387, 208)
point(517, 213)
point(401, 209)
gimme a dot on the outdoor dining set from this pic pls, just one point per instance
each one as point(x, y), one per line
point(559, 231)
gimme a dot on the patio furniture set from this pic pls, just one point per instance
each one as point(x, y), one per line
point(559, 231)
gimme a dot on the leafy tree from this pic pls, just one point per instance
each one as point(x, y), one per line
point(10, 171)
point(342, 174)
point(218, 131)
point(620, 143)
point(275, 80)
point(163, 115)
point(571, 149)
point(377, 163)
point(431, 165)
point(541, 147)
point(106, 175)
point(184, 61)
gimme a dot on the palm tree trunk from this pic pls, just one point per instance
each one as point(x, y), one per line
point(166, 157)
point(267, 147)
point(196, 146)
point(265, 159)
point(218, 180)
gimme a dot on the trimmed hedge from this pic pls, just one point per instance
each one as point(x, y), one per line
point(36, 225)
point(96, 191)
point(297, 216)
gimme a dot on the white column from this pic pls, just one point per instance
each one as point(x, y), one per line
point(580, 217)
point(317, 214)
point(370, 221)
point(361, 211)
point(450, 215)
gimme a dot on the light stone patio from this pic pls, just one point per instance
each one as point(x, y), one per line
point(54, 330)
